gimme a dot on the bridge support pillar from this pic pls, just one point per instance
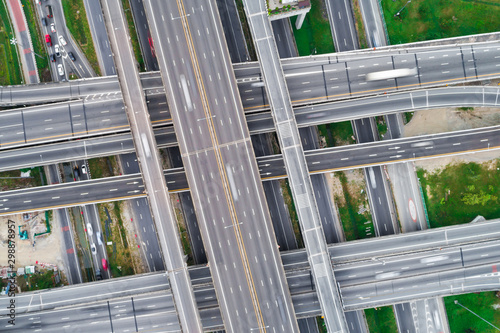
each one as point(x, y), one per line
point(300, 20)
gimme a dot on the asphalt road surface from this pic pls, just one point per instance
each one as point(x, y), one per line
point(219, 158)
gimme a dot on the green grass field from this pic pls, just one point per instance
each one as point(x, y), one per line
point(76, 20)
point(41, 56)
point(381, 320)
point(133, 35)
point(315, 36)
point(460, 192)
point(10, 70)
point(461, 320)
point(356, 225)
point(337, 134)
point(433, 19)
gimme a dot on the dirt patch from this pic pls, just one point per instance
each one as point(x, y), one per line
point(335, 187)
point(46, 249)
point(452, 119)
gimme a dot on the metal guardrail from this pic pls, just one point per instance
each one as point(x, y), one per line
point(383, 21)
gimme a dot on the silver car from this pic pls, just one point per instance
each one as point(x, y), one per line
point(60, 69)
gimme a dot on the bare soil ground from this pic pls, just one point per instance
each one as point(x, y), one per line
point(452, 119)
point(47, 248)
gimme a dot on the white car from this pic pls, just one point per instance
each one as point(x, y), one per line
point(84, 169)
point(53, 27)
point(57, 50)
point(89, 229)
point(60, 69)
point(93, 249)
point(99, 238)
point(62, 40)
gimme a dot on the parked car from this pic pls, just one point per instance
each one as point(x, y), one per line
point(76, 172)
point(53, 27)
point(89, 229)
point(71, 56)
point(48, 40)
point(44, 21)
point(84, 169)
point(62, 40)
point(93, 249)
point(53, 57)
point(104, 264)
point(48, 10)
point(98, 275)
point(57, 50)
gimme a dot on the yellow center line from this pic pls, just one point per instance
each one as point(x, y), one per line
point(223, 175)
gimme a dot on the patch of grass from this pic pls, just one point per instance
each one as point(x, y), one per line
point(480, 303)
point(433, 19)
point(460, 192)
point(42, 60)
point(287, 197)
point(42, 280)
point(186, 244)
point(103, 167)
point(315, 35)
point(381, 126)
point(321, 324)
point(119, 253)
point(465, 109)
point(9, 179)
point(360, 27)
point(10, 68)
point(381, 320)
point(356, 222)
point(133, 35)
point(76, 20)
point(407, 116)
point(337, 134)
point(246, 31)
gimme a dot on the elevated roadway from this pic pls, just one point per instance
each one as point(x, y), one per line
point(445, 266)
point(295, 164)
point(270, 167)
point(220, 166)
point(151, 167)
point(315, 79)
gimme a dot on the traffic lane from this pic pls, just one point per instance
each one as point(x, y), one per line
point(428, 239)
point(61, 195)
point(341, 20)
point(409, 201)
point(355, 321)
point(380, 201)
point(100, 38)
point(144, 36)
point(222, 236)
point(262, 252)
point(283, 37)
point(56, 298)
point(393, 267)
point(235, 39)
point(458, 281)
point(405, 314)
point(198, 249)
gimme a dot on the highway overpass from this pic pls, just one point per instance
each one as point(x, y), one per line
point(270, 167)
point(403, 268)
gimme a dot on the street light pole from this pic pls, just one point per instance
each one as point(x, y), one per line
point(399, 12)
point(14, 41)
point(498, 329)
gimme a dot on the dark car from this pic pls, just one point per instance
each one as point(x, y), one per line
point(76, 172)
point(44, 21)
point(53, 57)
point(71, 56)
point(48, 40)
point(48, 11)
point(98, 274)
